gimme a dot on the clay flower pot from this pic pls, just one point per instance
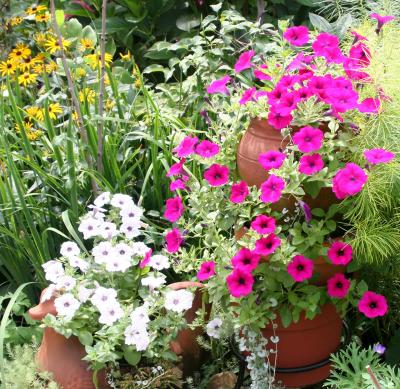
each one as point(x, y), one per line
point(63, 357)
point(306, 343)
point(185, 344)
point(325, 270)
point(260, 137)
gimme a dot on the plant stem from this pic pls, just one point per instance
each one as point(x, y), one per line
point(373, 377)
point(101, 91)
point(75, 101)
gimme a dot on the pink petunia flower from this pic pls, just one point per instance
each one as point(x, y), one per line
point(271, 159)
point(373, 305)
point(382, 20)
point(174, 240)
point(207, 149)
point(327, 46)
point(240, 283)
point(299, 62)
point(186, 147)
point(340, 253)
point(308, 139)
point(360, 55)
point(369, 105)
point(177, 184)
point(207, 270)
point(338, 286)
point(248, 94)
point(375, 156)
point(268, 245)
point(310, 164)
point(263, 224)
point(244, 61)
point(260, 74)
point(217, 175)
point(342, 100)
point(271, 189)
point(176, 169)
point(173, 209)
point(219, 86)
point(279, 120)
point(358, 37)
point(297, 36)
point(143, 263)
point(246, 260)
point(239, 192)
point(348, 181)
point(300, 268)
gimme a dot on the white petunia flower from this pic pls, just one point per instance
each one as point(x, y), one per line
point(82, 265)
point(118, 263)
point(139, 249)
point(107, 230)
point(153, 282)
point(132, 212)
point(137, 337)
point(103, 252)
point(66, 282)
point(89, 227)
point(122, 201)
point(69, 249)
point(66, 305)
point(124, 250)
point(110, 313)
point(159, 262)
point(103, 296)
point(102, 199)
point(84, 293)
point(140, 317)
point(213, 328)
point(48, 293)
point(178, 300)
point(130, 228)
point(53, 270)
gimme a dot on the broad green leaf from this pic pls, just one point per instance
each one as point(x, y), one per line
point(320, 23)
point(131, 355)
point(86, 338)
point(187, 22)
point(60, 17)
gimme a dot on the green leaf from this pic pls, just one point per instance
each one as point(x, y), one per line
point(343, 24)
point(216, 7)
point(60, 17)
point(318, 212)
point(89, 33)
point(320, 23)
point(71, 29)
point(392, 354)
point(131, 355)
point(309, 3)
point(187, 22)
point(286, 316)
point(86, 338)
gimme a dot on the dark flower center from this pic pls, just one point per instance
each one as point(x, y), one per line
point(300, 267)
point(241, 281)
point(339, 285)
point(372, 305)
point(307, 139)
point(66, 304)
point(340, 252)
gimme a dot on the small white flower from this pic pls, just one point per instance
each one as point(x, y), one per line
point(66, 282)
point(84, 293)
point(96, 215)
point(103, 252)
point(89, 227)
point(69, 249)
point(140, 317)
point(118, 263)
point(178, 300)
point(48, 293)
point(130, 228)
point(153, 282)
point(53, 270)
point(103, 296)
point(159, 262)
point(139, 249)
point(122, 201)
point(66, 305)
point(82, 265)
point(132, 212)
point(124, 250)
point(137, 337)
point(107, 230)
point(109, 314)
point(102, 199)
point(213, 328)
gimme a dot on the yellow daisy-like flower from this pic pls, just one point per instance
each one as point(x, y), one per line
point(51, 67)
point(39, 68)
point(42, 18)
point(40, 38)
point(80, 72)
point(21, 51)
point(27, 63)
point(7, 68)
point(138, 83)
point(27, 125)
point(94, 60)
point(34, 9)
point(126, 57)
point(109, 104)
point(34, 135)
point(53, 110)
point(27, 78)
point(86, 44)
point(40, 57)
point(15, 21)
point(52, 45)
point(88, 95)
point(35, 113)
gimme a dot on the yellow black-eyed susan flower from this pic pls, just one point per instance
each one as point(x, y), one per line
point(86, 44)
point(15, 21)
point(7, 68)
point(88, 95)
point(53, 110)
point(42, 18)
point(34, 9)
point(27, 78)
point(126, 57)
point(94, 60)
point(52, 45)
point(21, 51)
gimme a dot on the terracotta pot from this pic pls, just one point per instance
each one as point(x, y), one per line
point(325, 270)
point(305, 343)
point(259, 138)
point(185, 344)
point(63, 357)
